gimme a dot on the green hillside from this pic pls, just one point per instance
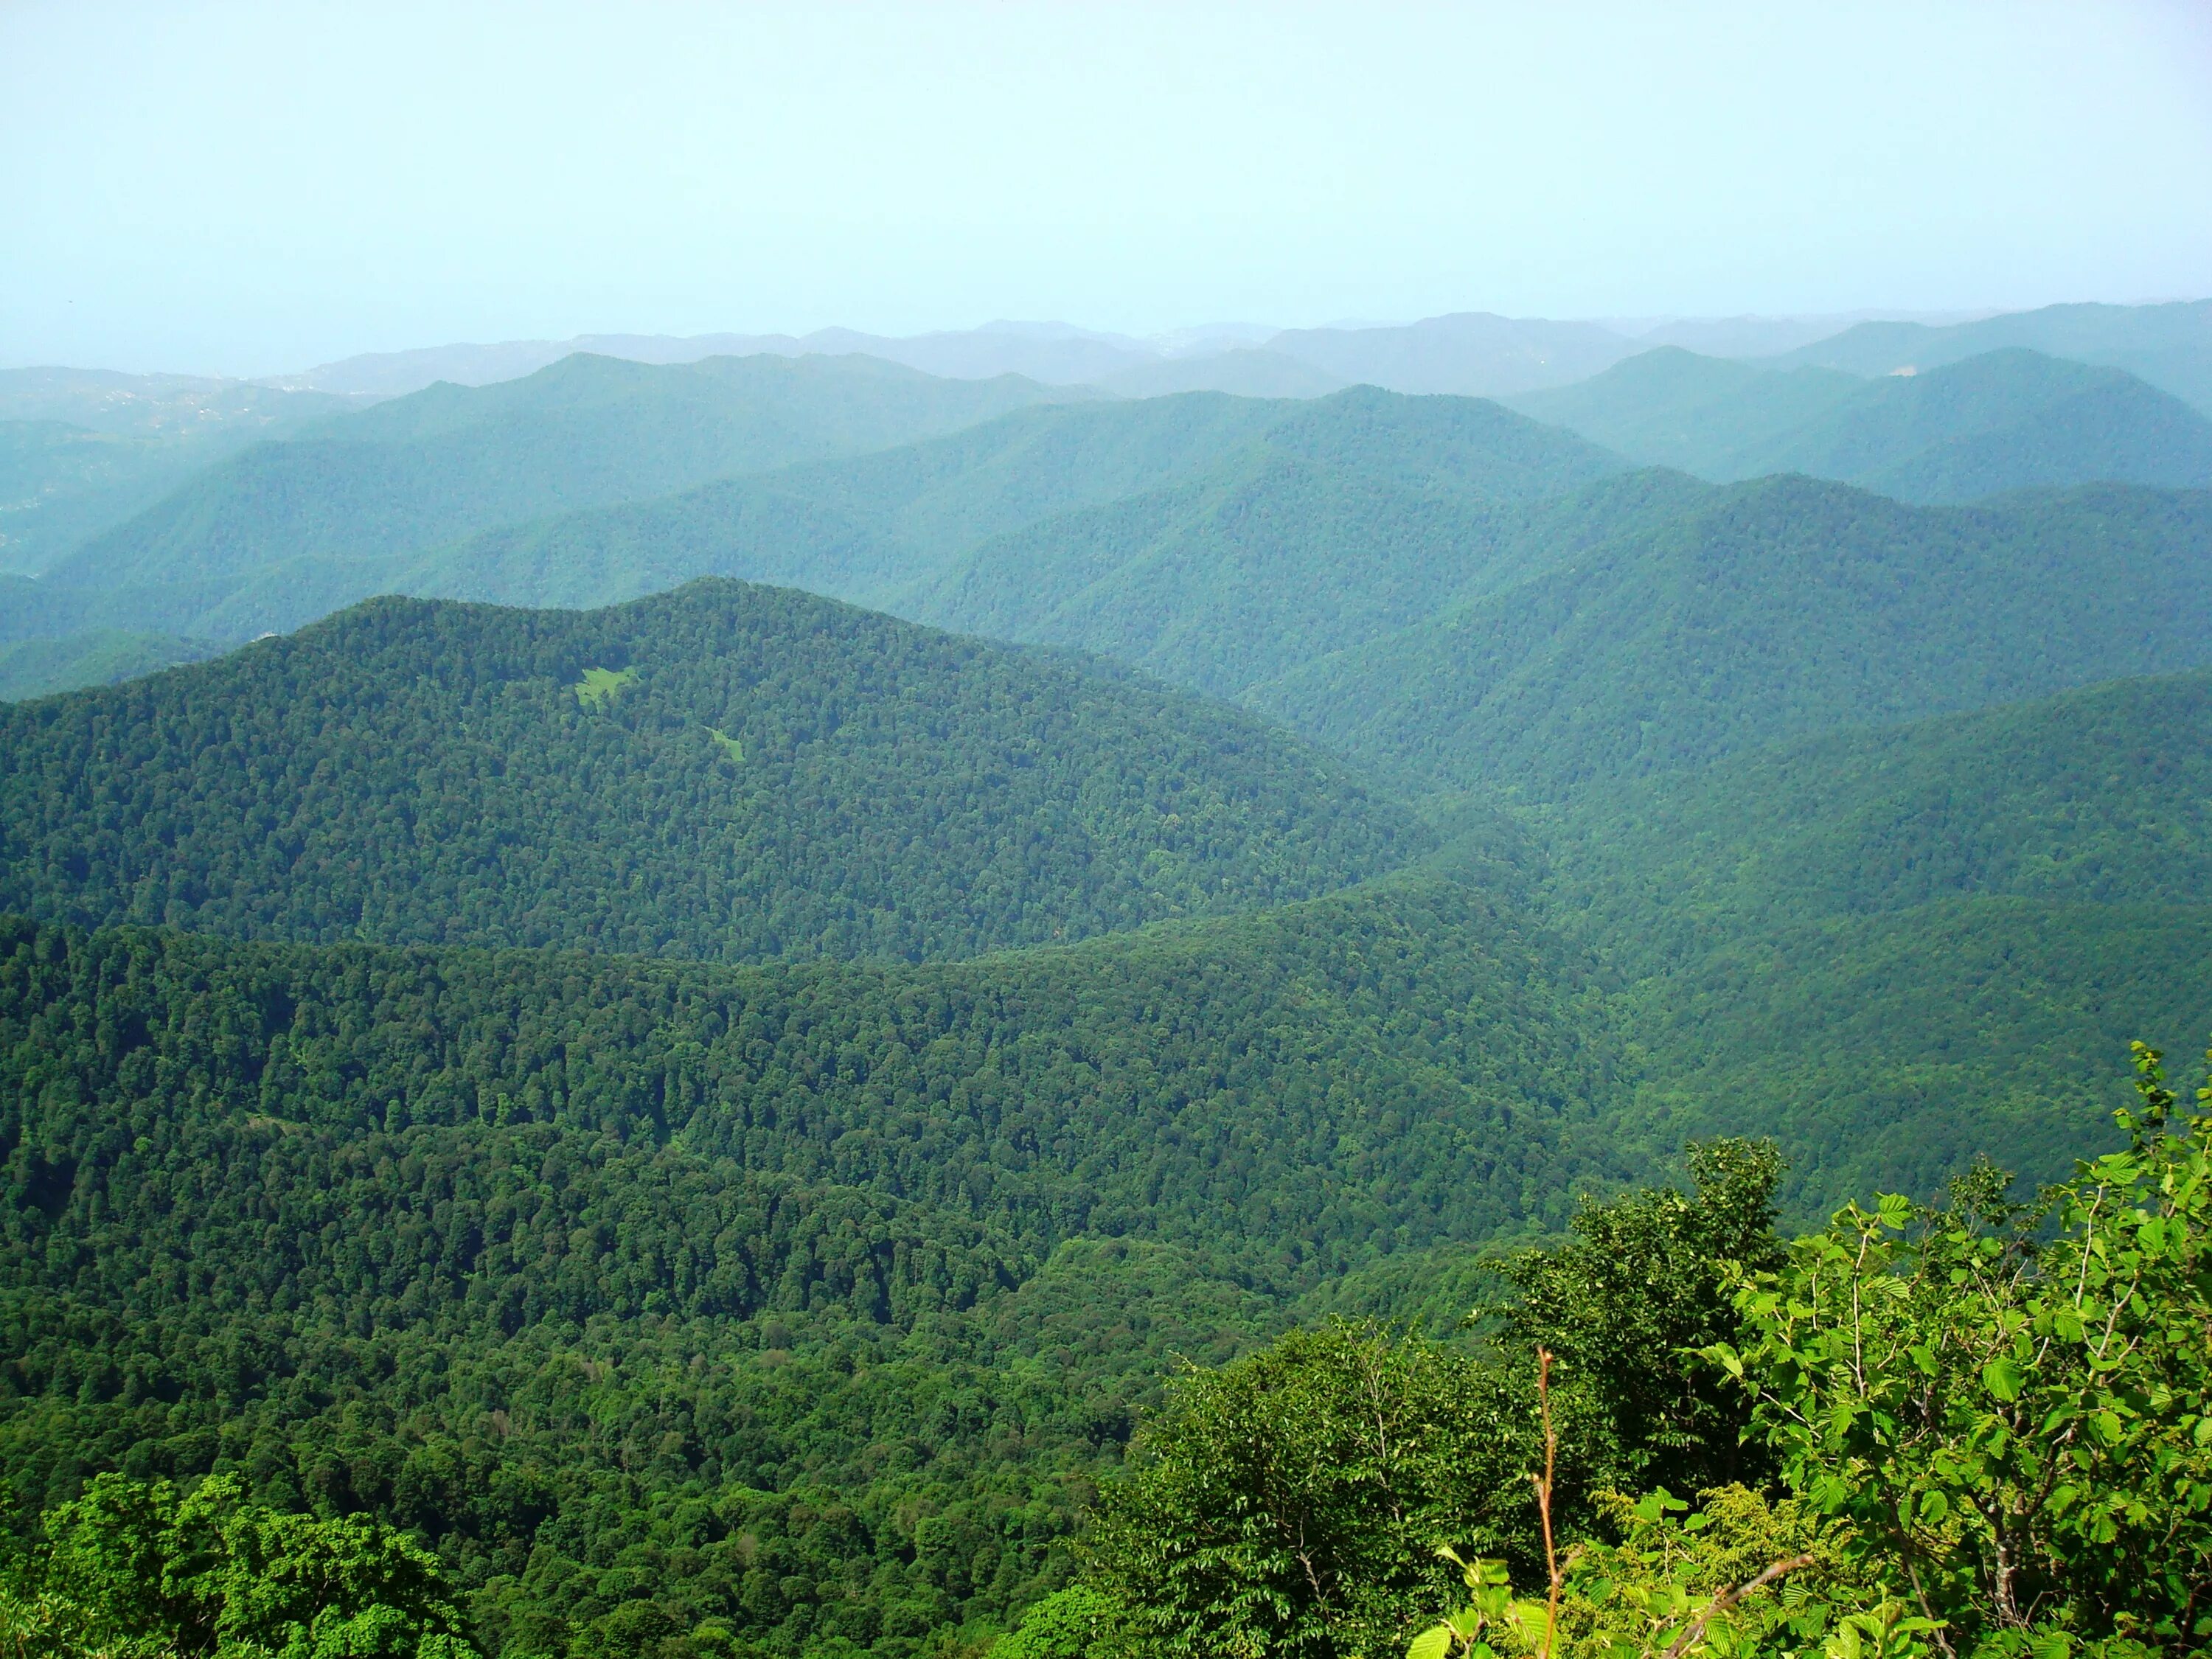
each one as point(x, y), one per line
point(724, 772)
point(2100, 796)
point(931, 529)
point(2169, 345)
point(1890, 948)
point(1354, 516)
point(809, 1299)
point(423, 470)
point(1771, 609)
point(1885, 1050)
point(2008, 419)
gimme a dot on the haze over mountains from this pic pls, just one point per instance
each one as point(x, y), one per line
point(782, 930)
point(1474, 353)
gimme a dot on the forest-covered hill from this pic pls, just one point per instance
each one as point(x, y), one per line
point(724, 772)
point(2102, 795)
point(81, 451)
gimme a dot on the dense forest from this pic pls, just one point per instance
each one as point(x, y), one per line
point(1397, 1052)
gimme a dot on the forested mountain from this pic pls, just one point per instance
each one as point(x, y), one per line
point(862, 528)
point(844, 527)
point(2005, 420)
point(1770, 610)
point(1671, 407)
point(735, 1127)
point(2169, 345)
point(888, 527)
point(1056, 354)
point(724, 772)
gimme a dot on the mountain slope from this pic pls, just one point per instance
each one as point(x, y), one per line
point(2004, 420)
point(724, 772)
point(44, 667)
point(423, 470)
point(1889, 947)
point(1353, 516)
point(854, 527)
point(2101, 796)
point(2168, 345)
point(1773, 609)
point(81, 450)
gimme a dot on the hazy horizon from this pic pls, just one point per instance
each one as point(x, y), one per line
point(252, 190)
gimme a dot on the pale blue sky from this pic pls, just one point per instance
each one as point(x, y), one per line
point(246, 188)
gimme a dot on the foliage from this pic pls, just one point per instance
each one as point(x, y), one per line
point(424, 774)
point(137, 1568)
point(1285, 1504)
point(1073, 1623)
point(2007, 1403)
point(1625, 1305)
point(1288, 1504)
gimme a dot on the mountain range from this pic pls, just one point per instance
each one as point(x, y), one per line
point(782, 950)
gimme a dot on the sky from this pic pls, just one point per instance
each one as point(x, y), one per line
point(247, 189)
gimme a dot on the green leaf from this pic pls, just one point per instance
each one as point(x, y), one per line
point(2004, 1378)
point(1434, 1642)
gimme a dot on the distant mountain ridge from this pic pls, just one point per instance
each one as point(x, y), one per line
point(420, 470)
point(1475, 354)
point(2005, 419)
point(81, 451)
point(2167, 344)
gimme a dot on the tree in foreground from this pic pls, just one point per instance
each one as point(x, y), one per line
point(1978, 1428)
point(135, 1570)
